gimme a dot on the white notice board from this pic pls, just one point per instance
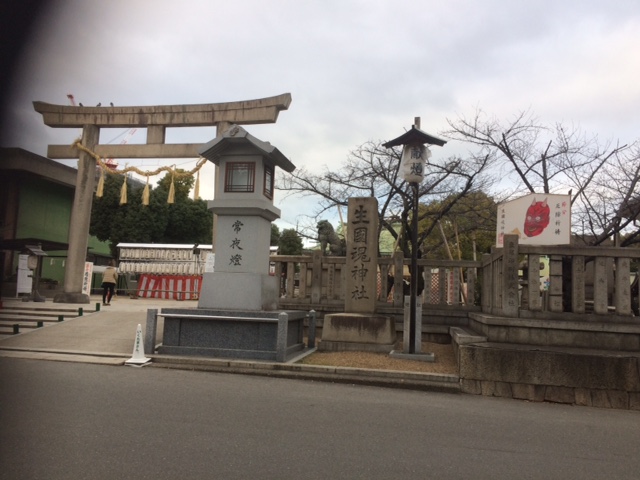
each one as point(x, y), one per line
point(537, 219)
point(25, 279)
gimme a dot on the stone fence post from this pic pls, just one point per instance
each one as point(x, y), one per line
point(150, 330)
point(281, 342)
point(510, 300)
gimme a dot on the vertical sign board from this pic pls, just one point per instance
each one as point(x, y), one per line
point(210, 262)
point(87, 275)
point(362, 255)
point(537, 219)
point(25, 280)
point(510, 299)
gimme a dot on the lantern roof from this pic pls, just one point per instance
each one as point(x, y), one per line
point(413, 136)
point(236, 135)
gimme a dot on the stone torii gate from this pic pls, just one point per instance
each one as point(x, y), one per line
point(155, 119)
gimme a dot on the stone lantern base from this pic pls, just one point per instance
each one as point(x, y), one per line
point(239, 291)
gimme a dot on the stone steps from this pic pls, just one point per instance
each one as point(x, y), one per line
point(14, 318)
point(604, 335)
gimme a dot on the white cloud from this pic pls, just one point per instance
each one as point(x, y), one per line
point(357, 70)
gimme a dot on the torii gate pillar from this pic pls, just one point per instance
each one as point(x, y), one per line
point(80, 221)
point(156, 119)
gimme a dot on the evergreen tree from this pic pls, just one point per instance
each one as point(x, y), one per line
point(184, 221)
point(275, 235)
point(290, 243)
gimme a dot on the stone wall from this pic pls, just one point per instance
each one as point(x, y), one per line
point(563, 375)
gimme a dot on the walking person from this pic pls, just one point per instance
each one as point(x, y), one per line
point(109, 281)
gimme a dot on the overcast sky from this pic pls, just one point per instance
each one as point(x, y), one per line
point(356, 70)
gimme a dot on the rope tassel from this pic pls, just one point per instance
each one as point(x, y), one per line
point(172, 192)
point(196, 190)
point(100, 188)
point(77, 144)
point(123, 192)
point(145, 193)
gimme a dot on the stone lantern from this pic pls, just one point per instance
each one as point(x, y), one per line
point(243, 204)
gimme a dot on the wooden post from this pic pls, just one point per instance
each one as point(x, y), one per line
point(510, 301)
point(487, 283)
point(316, 277)
point(291, 280)
point(471, 286)
point(622, 298)
point(302, 286)
point(398, 271)
point(331, 279)
point(428, 276)
point(442, 285)
point(533, 280)
point(456, 286)
point(577, 284)
point(555, 283)
point(600, 286)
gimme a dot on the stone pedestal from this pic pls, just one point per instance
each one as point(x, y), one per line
point(358, 331)
point(270, 336)
point(71, 297)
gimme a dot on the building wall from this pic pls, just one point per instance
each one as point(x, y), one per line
point(33, 205)
point(44, 210)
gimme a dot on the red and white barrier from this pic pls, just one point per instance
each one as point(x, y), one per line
point(174, 287)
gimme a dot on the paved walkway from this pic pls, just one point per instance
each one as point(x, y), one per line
point(110, 331)
point(107, 336)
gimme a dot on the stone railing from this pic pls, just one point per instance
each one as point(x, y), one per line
point(584, 282)
point(316, 282)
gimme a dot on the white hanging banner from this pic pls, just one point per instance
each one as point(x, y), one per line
point(412, 164)
point(87, 276)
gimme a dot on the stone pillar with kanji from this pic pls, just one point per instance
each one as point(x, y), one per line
point(359, 327)
point(362, 255)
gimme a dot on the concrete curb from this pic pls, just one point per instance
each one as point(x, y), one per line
point(357, 376)
point(381, 378)
point(64, 356)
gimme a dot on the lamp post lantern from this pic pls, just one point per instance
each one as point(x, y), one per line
point(415, 155)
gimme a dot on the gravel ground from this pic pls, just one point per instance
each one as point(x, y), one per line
point(445, 361)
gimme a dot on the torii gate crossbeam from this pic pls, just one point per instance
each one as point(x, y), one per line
point(155, 119)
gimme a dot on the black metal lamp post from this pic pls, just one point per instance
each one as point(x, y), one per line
point(414, 158)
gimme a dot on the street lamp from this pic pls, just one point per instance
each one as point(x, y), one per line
point(415, 155)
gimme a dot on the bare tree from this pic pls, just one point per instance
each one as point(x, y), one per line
point(611, 207)
point(373, 171)
point(602, 177)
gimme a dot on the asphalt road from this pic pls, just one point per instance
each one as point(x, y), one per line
point(79, 421)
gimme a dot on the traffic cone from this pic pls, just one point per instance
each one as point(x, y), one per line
point(138, 359)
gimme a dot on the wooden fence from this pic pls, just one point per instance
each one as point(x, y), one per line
point(316, 282)
point(585, 283)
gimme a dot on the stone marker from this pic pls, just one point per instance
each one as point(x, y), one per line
point(362, 255)
point(359, 328)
